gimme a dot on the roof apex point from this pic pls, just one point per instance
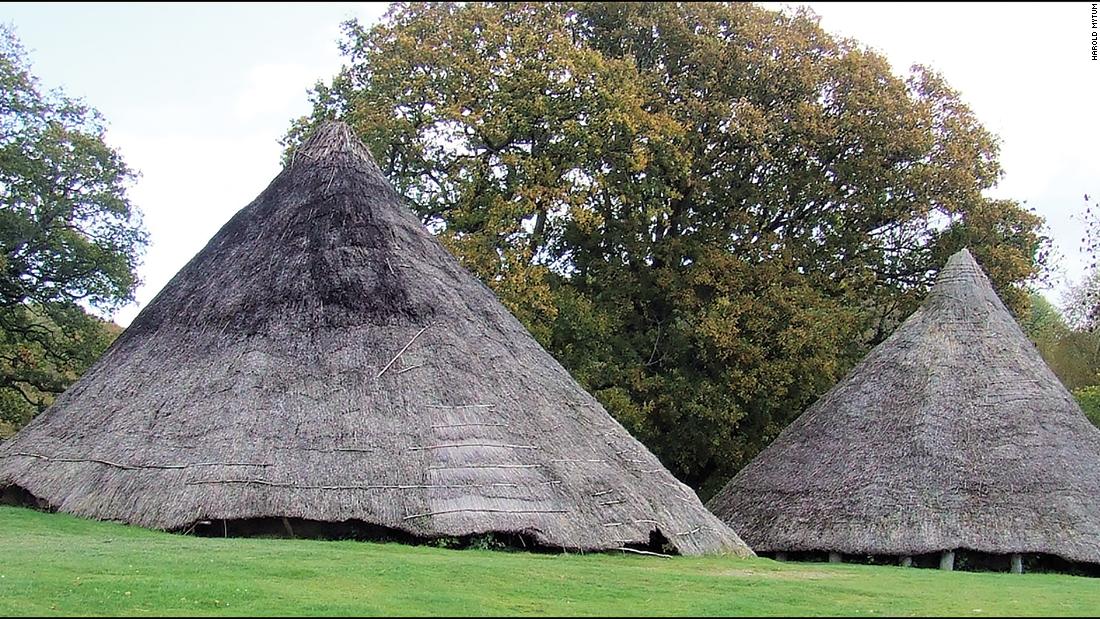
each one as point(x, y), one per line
point(330, 138)
point(963, 275)
point(962, 254)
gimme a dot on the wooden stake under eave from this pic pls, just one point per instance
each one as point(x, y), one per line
point(947, 561)
point(1017, 563)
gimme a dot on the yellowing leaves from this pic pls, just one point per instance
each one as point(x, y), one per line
point(706, 211)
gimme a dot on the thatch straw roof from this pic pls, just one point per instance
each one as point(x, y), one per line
point(324, 358)
point(951, 434)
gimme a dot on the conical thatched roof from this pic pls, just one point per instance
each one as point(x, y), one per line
point(324, 358)
point(951, 434)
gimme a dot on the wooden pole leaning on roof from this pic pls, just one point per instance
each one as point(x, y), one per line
point(402, 351)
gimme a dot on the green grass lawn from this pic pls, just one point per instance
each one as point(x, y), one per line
point(53, 564)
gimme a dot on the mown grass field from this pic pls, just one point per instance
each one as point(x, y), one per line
point(53, 564)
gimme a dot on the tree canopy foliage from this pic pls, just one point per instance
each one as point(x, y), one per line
point(69, 237)
point(706, 212)
point(1073, 353)
point(1071, 344)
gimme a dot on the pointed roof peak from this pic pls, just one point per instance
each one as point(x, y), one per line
point(333, 138)
point(963, 263)
point(961, 256)
point(962, 281)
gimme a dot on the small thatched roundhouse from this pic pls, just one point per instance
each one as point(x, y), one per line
point(324, 360)
point(952, 434)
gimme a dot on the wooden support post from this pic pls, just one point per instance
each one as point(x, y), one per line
point(780, 556)
point(834, 557)
point(947, 560)
point(286, 525)
point(1017, 563)
point(906, 561)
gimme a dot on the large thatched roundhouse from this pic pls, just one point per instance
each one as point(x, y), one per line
point(952, 434)
point(325, 360)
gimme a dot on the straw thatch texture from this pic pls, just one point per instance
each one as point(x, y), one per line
point(324, 358)
point(953, 433)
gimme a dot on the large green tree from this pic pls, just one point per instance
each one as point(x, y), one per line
point(707, 212)
point(69, 237)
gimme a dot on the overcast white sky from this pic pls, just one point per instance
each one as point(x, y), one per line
point(197, 96)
